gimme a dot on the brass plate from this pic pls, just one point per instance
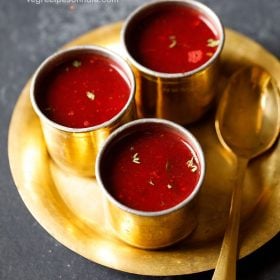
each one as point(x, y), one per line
point(70, 208)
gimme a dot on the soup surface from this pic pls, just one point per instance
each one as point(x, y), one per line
point(150, 170)
point(173, 39)
point(85, 91)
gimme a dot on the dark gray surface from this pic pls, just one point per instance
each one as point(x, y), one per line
point(28, 34)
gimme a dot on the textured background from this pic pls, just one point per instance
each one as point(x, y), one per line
point(28, 34)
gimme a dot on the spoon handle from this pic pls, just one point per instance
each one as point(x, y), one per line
point(226, 264)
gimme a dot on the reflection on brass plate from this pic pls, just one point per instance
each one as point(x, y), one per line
point(70, 208)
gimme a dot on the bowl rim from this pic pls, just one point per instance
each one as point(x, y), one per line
point(63, 55)
point(189, 3)
point(114, 136)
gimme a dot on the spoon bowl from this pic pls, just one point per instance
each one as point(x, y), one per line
point(248, 117)
point(247, 123)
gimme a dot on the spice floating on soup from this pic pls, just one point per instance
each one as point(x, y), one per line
point(85, 91)
point(151, 169)
point(173, 39)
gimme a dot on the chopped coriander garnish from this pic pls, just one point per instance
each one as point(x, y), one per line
point(76, 63)
point(136, 159)
point(212, 43)
point(90, 95)
point(191, 165)
point(173, 41)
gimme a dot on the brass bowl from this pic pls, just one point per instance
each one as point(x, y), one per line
point(150, 229)
point(180, 97)
point(75, 149)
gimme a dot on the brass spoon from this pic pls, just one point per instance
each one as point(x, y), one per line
point(247, 122)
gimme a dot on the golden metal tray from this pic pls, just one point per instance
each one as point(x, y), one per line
point(70, 208)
